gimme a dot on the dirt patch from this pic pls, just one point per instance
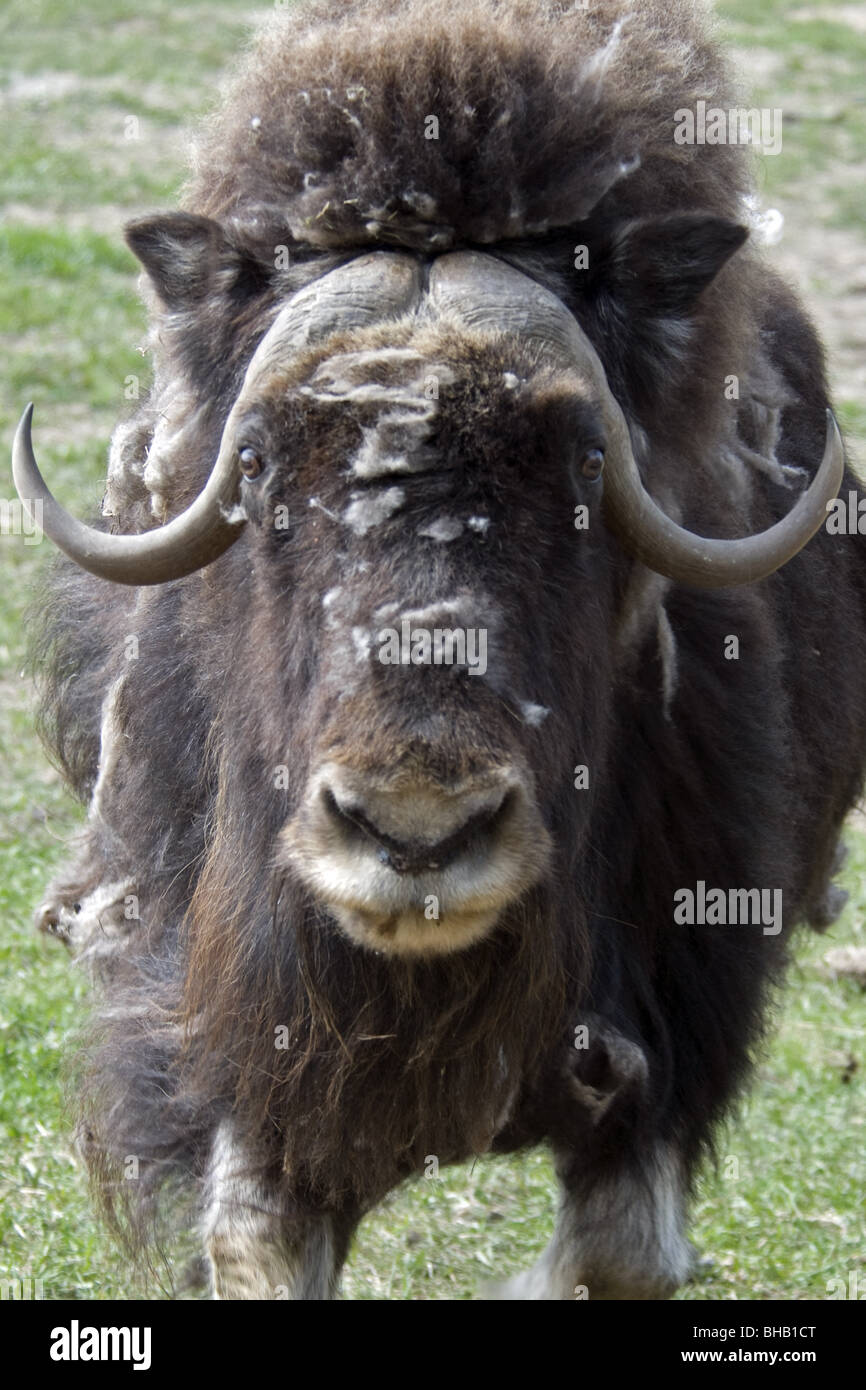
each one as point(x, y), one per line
point(827, 266)
point(825, 263)
point(852, 15)
point(109, 221)
point(45, 86)
point(848, 960)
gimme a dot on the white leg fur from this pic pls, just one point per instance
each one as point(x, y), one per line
point(622, 1238)
point(256, 1250)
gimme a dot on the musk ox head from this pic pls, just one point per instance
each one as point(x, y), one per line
point(403, 465)
point(423, 465)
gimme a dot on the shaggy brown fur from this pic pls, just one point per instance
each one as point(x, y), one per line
point(539, 106)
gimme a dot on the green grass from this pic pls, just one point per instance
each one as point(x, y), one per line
point(815, 68)
point(70, 329)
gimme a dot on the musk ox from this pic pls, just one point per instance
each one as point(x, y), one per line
point(464, 719)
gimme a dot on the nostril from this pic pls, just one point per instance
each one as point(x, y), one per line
point(417, 856)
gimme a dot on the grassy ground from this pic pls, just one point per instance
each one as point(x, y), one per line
point(91, 97)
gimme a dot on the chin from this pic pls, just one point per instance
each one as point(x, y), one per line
point(410, 933)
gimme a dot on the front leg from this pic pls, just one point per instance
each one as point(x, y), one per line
point(259, 1245)
point(619, 1234)
point(620, 1230)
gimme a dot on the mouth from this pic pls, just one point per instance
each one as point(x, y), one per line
point(411, 868)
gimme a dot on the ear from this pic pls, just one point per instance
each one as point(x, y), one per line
point(184, 254)
point(660, 265)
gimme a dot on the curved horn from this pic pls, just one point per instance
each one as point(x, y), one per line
point(193, 539)
point(368, 289)
point(648, 534)
point(491, 294)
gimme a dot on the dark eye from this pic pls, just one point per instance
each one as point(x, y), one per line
point(251, 462)
point(592, 464)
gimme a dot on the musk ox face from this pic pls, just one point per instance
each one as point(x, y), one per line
point(424, 459)
point(412, 484)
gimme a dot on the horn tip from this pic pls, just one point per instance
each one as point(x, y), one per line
point(24, 423)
